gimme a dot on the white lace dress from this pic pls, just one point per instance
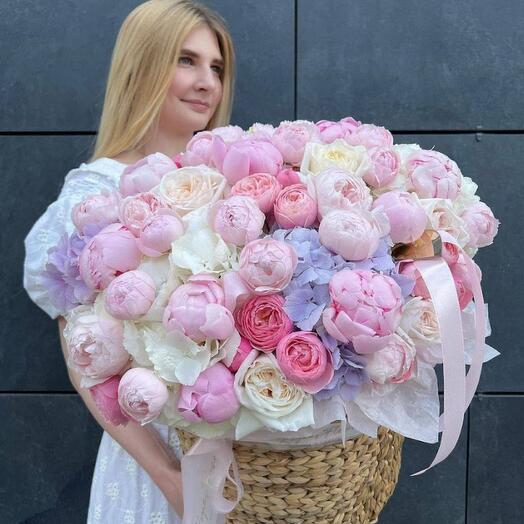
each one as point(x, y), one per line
point(121, 491)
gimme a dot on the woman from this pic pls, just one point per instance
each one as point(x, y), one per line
point(171, 75)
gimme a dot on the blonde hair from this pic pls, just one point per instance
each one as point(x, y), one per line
point(147, 47)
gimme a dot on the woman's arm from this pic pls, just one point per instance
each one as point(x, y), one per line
point(143, 443)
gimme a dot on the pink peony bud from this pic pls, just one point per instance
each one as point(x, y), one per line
point(95, 212)
point(370, 136)
point(137, 209)
point(384, 167)
point(288, 177)
point(145, 174)
point(481, 225)
point(158, 232)
point(291, 138)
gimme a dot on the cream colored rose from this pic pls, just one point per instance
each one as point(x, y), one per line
point(268, 399)
point(190, 188)
point(419, 321)
point(319, 157)
point(467, 195)
point(443, 217)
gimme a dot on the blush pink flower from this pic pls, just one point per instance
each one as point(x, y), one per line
point(96, 211)
point(158, 232)
point(288, 177)
point(331, 131)
point(199, 150)
point(145, 174)
point(136, 209)
point(408, 269)
point(305, 361)
point(262, 187)
point(266, 266)
point(370, 136)
point(244, 349)
point(263, 321)
point(211, 398)
point(463, 280)
point(384, 167)
point(481, 225)
point(295, 207)
point(105, 396)
point(291, 138)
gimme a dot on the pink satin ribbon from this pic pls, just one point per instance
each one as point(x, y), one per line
point(459, 388)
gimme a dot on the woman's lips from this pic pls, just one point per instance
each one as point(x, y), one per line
point(198, 106)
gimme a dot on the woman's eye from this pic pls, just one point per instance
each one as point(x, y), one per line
point(218, 69)
point(185, 58)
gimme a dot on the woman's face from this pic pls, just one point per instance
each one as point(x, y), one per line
point(196, 78)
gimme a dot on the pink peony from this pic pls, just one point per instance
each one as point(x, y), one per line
point(243, 351)
point(145, 174)
point(288, 177)
point(305, 361)
point(142, 395)
point(263, 187)
point(130, 295)
point(263, 321)
point(211, 398)
point(197, 310)
point(105, 396)
point(407, 218)
point(158, 232)
point(237, 220)
point(370, 136)
point(136, 209)
point(384, 167)
point(267, 265)
point(199, 150)
point(481, 225)
point(111, 252)
point(331, 131)
point(463, 280)
point(96, 212)
point(408, 269)
point(291, 138)
point(295, 207)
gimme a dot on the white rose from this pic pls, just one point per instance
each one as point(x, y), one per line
point(190, 188)
point(443, 217)
point(268, 399)
point(467, 195)
point(419, 321)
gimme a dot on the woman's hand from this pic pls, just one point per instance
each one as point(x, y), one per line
point(171, 486)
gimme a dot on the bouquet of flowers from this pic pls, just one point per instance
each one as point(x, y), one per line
point(266, 283)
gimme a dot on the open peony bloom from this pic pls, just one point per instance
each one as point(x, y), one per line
point(107, 254)
point(141, 394)
point(482, 226)
point(95, 212)
point(105, 396)
point(291, 138)
point(136, 209)
point(305, 361)
point(197, 310)
point(331, 131)
point(370, 136)
point(364, 305)
point(211, 398)
point(130, 295)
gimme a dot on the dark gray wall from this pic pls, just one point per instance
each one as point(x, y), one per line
point(436, 72)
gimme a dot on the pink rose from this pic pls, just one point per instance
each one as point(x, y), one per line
point(263, 187)
point(352, 233)
point(384, 167)
point(211, 398)
point(481, 225)
point(295, 207)
point(370, 136)
point(95, 344)
point(246, 157)
point(130, 295)
point(394, 363)
point(95, 212)
point(197, 310)
point(237, 220)
point(291, 138)
point(105, 396)
point(305, 361)
point(107, 254)
point(407, 218)
point(242, 352)
point(288, 177)
point(339, 189)
point(158, 232)
point(331, 131)
point(142, 395)
point(267, 265)
point(408, 269)
point(433, 175)
point(364, 304)
point(136, 209)
point(263, 321)
point(145, 174)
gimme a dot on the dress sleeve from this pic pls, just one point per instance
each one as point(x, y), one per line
point(49, 228)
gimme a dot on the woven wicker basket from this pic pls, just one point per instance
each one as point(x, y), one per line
point(322, 485)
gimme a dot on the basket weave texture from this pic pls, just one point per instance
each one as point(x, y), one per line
point(331, 484)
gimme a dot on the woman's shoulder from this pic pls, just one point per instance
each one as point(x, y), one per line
point(101, 166)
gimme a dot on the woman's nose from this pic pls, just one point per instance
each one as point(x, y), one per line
point(206, 78)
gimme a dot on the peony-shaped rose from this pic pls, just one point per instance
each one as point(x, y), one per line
point(142, 395)
point(111, 252)
point(96, 212)
point(145, 174)
point(105, 396)
point(130, 295)
point(352, 233)
point(370, 136)
point(238, 219)
point(305, 361)
point(95, 344)
point(339, 189)
point(266, 266)
point(190, 188)
point(433, 175)
point(384, 166)
point(291, 138)
point(482, 226)
point(246, 157)
point(364, 304)
point(244, 349)
point(419, 322)
point(407, 218)
point(442, 217)
point(263, 321)
point(262, 187)
point(394, 363)
point(158, 232)
point(295, 207)
point(211, 398)
point(135, 210)
point(197, 310)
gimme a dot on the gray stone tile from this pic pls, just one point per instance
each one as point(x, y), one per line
point(48, 449)
point(33, 170)
point(496, 475)
point(428, 65)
